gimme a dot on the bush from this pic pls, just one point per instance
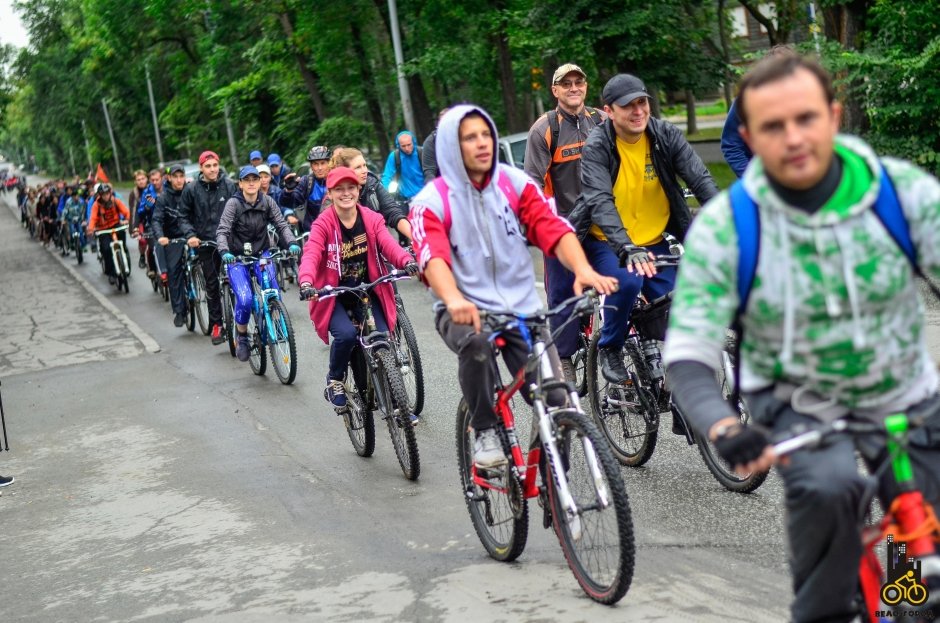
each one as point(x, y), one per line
point(338, 131)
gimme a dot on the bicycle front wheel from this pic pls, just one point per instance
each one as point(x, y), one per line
point(597, 539)
point(620, 411)
point(393, 401)
point(498, 511)
point(722, 470)
point(282, 347)
point(257, 360)
point(201, 304)
point(228, 315)
point(412, 371)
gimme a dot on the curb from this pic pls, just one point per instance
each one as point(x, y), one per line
point(147, 340)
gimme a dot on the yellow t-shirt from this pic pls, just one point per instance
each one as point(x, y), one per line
point(638, 195)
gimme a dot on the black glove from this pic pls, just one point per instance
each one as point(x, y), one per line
point(307, 292)
point(290, 181)
point(739, 445)
point(632, 255)
point(411, 268)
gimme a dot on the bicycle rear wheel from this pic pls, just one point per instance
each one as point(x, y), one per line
point(360, 424)
point(598, 541)
point(228, 315)
point(621, 411)
point(392, 400)
point(258, 359)
point(500, 514)
point(190, 303)
point(201, 303)
point(79, 251)
point(412, 371)
point(282, 347)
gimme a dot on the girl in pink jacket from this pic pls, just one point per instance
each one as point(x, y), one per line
point(345, 243)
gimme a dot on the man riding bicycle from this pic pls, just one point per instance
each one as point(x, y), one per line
point(108, 212)
point(470, 228)
point(630, 198)
point(166, 224)
point(832, 325)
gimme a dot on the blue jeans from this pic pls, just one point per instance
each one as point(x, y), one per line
point(606, 262)
point(346, 335)
point(559, 286)
point(241, 285)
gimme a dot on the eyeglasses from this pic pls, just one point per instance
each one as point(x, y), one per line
point(567, 84)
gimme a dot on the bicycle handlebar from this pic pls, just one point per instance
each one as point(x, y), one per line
point(804, 437)
point(331, 291)
point(498, 321)
point(112, 230)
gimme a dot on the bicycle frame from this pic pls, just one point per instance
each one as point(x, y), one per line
point(525, 466)
point(263, 292)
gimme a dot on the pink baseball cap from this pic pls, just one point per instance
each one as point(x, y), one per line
point(206, 155)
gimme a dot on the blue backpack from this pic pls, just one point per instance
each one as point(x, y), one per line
point(747, 224)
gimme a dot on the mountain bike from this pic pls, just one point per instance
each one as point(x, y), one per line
point(568, 466)
point(156, 273)
point(374, 381)
point(197, 306)
point(269, 323)
point(286, 265)
point(408, 356)
point(122, 267)
point(628, 413)
point(909, 523)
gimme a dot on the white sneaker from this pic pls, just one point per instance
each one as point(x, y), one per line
point(488, 450)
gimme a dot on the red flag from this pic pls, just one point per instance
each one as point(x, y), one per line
point(100, 176)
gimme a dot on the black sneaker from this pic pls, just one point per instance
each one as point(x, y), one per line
point(179, 320)
point(612, 367)
point(6, 480)
point(141, 262)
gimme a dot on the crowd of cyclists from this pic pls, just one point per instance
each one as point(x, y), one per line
point(825, 304)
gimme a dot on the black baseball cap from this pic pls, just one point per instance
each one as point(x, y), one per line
point(623, 89)
point(176, 168)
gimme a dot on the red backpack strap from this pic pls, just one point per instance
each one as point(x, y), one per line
point(444, 191)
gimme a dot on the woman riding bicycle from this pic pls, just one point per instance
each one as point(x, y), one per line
point(343, 250)
point(244, 222)
point(373, 194)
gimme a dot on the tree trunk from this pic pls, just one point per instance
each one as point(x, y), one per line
point(310, 78)
point(367, 80)
point(844, 23)
point(425, 118)
point(691, 123)
point(507, 81)
point(725, 52)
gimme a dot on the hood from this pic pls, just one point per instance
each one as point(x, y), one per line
point(757, 185)
point(414, 143)
point(447, 146)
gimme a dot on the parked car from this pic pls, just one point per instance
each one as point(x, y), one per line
point(512, 149)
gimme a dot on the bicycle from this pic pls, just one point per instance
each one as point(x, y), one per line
point(628, 413)
point(122, 266)
point(581, 490)
point(374, 381)
point(197, 307)
point(908, 520)
point(269, 323)
point(286, 266)
point(155, 272)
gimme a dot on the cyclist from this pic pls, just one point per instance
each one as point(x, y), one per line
point(74, 213)
point(343, 250)
point(470, 231)
point(245, 222)
point(302, 197)
point(833, 325)
point(255, 159)
point(553, 160)
point(166, 224)
point(279, 170)
point(201, 206)
point(267, 188)
point(108, 212)
point(630, 198)
point(373, 194)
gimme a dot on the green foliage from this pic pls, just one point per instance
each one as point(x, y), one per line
point(337, 131)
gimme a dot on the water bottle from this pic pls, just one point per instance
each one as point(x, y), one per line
point(654, 358)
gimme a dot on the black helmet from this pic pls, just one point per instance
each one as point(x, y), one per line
point(320, 152)
point(103, 188)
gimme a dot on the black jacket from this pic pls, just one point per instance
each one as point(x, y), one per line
point(242, 222)
point(375, 197)
point(201, 205)
point(600, 164)
point(166, 215)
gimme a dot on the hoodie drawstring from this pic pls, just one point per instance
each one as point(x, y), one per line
point(845, 247)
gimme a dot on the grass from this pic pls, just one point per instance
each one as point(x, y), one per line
point(717, 108)
point(723, 176)
point(705, 134)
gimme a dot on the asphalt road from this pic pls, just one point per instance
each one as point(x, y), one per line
point(158, 479)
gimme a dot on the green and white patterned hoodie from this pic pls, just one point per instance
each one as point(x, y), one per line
point(834, 310)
